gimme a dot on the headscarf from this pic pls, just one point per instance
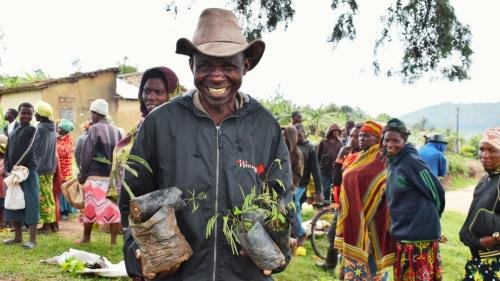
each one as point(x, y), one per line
point(123, 147)
point(372, 128)
point(44, 109)
point(3, 143)
point(492, 136)
point(169, 78)
point(66, 125)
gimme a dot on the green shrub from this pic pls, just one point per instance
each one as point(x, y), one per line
point(457, 166)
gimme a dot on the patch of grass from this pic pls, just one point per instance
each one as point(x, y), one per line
point(308, 213)
point(453, 254)
point(20, 264)
point(459, 182)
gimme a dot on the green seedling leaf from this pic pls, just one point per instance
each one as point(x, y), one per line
point(140, 161)
point(102, 160)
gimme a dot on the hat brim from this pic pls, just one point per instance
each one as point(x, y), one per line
point(437, 141)
point(253, 50)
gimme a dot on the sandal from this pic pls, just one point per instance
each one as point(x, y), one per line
point(11, 241)
point(29, 246)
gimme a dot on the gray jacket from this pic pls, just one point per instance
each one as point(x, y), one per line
point(186, 149)
point(45, 148)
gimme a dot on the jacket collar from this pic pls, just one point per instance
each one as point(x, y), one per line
point(244, 102)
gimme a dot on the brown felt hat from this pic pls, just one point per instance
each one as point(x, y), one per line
point(218, 35)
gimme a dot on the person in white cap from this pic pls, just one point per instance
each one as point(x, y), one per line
point(213, 139)
point(94, 175)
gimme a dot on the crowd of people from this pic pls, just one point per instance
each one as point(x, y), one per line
point(213, 139)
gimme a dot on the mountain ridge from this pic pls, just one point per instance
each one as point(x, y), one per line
point(473, 118)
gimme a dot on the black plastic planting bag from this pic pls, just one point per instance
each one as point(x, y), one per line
point(282, 239)
point(162, 245)
point(154, 228)
point(261, 248)
point(145, 206)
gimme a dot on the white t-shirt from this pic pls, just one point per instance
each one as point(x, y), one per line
point(10, 127)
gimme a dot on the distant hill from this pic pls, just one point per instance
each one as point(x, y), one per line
point(473, 117)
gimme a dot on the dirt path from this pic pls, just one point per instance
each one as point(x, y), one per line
point(459, 200)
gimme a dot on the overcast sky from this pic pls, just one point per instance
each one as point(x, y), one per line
point(299, 62)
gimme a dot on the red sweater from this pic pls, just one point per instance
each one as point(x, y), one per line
point(65, 153)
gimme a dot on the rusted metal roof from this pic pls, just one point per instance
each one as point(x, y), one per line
point(45, 83)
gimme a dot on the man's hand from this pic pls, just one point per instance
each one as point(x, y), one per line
point(344, 151)
point(488, 241)
point(138, 256)
point(318, 198)
point(443, 239)
point(265, 272)
point(81, 180)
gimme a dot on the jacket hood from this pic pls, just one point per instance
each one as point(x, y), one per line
point(169, 78)
point(333, 127)
point(47, 125)
point(292, 136)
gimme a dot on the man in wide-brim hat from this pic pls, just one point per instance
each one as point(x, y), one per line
point(433, 154)
point(212, 139)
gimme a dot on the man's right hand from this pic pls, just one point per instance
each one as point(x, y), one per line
point(318, 198)
point(138, 256)
point(344, 151)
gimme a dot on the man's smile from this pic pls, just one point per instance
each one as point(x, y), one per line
point(217, 91)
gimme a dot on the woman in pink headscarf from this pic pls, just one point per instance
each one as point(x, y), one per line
point(158, 85)
point(480, 231)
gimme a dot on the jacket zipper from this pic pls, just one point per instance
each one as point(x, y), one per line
point(217, 165)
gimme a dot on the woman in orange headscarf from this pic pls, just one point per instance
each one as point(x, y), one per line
point(362, 234)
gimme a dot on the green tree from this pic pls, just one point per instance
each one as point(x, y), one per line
point(383, 118)
point(15, 80)
point(280, 107)
point(429, 31)
point(124, 67)
point(471, 148)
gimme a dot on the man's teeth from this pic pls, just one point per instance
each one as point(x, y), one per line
point(218, 91)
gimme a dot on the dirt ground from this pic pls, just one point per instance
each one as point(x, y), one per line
point(459, 200)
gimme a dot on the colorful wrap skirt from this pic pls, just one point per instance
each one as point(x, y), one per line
point(484, 269)
point(97, 207)
point(31, 213)
point(47, 202)
point(418, 261)
point(355, 270)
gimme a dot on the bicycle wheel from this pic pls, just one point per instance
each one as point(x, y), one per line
point(319, 229)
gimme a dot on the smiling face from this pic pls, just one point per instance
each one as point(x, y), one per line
point(489, 156)
point(393, 142)
point(25, 115)
point(154, 93)
point(218, 80)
